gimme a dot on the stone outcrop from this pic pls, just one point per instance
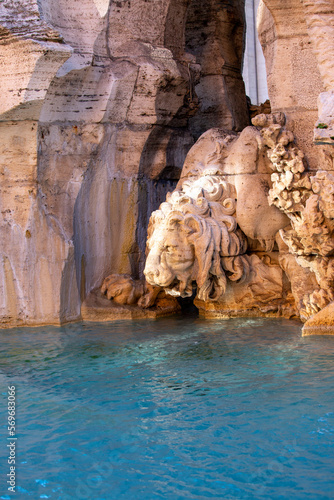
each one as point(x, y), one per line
point(96, 109)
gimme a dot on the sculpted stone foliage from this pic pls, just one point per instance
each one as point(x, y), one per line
point(308, 202)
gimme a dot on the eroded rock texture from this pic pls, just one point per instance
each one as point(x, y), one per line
point(215, 36)
point(320, 22)
point(99, 104)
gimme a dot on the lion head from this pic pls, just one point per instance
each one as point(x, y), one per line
point(195, 241)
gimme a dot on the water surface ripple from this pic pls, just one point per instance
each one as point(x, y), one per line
point(179, 408)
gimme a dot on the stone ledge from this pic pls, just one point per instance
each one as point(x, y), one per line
point(96, 307)
point(318, 330)
point(220, 310)
point(244, 313)
point(321, 323)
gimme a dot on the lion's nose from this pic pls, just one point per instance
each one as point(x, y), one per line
point(150, 277)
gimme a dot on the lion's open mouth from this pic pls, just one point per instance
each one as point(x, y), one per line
point(173, 288)
point(179, 288)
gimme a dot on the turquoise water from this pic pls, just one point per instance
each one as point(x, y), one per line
point(179, 408)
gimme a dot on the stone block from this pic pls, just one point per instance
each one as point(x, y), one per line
point(321, 323)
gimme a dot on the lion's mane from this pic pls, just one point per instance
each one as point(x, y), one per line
point(205, 210)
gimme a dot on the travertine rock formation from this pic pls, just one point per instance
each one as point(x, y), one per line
point(96, 98)
point(101, 102)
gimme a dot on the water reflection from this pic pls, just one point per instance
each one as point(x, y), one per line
point(174, 408)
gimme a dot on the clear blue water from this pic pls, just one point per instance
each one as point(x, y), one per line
point(179, 408)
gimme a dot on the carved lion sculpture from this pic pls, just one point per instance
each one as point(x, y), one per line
point(243, 161)
point(194, 238)
point(200, 234)
point(229, 200)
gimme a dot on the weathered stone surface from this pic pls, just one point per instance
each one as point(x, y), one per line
point(31, 52)
point(37, 280)
point(96, 307)
point(294, 79)
point(95, 109)
point(319, 16)
point(321, 323)
point(215, 35)
point(262, 293)
point(302, 281)
point(221, 212)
